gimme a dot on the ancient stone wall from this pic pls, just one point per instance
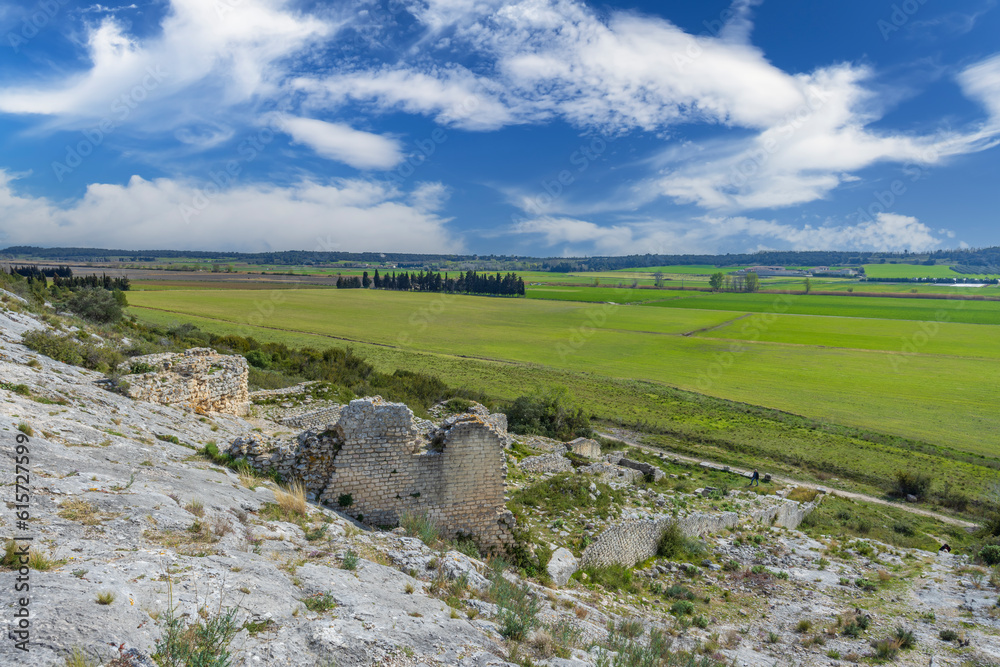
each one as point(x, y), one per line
point(375, 455)
point(199, 378)
point(632, 542)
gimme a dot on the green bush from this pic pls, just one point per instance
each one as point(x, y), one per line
point(97, 305)
point(350, 560)
point(672, 541)
point(910, 483)
point(564, 492)
point(345, 500)
point(69, 351)
point(682, 608)
point(612, 577)
point(990, 554)
point(547, 414)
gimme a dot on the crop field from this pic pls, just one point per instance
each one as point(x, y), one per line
point(940, 394)
point(914, 271)
point(899, 336)
point(949, 310)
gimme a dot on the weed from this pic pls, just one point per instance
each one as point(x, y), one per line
point(105, 597)
point(350, 560)
point(196, 507)
point(205, 642)
point(320, 602)
point(418, 524)
point(803, 626)
point(517, 610)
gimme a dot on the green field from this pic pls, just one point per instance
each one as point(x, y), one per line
point(915, 271)
point(948, 310)
point(940, 396)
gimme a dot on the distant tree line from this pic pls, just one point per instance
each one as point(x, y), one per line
point(725, 282)
point(32, 272)
point(468, 282)
point(93, 281)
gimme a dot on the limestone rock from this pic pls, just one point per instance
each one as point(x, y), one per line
point(562, 565)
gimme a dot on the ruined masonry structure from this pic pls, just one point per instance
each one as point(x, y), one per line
point(199, 378)
point(632, 542)
point(374, 454)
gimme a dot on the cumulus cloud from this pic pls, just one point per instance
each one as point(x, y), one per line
point(348, 215)
point(233, 50)
point(341, 142)
point(711, 234)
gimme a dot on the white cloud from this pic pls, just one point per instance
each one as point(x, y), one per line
point(340, 142)
point(452, 95)
point(348, 215)
point(222, 53)
point(886, 232)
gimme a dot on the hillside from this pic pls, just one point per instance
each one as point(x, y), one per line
point(134, 524)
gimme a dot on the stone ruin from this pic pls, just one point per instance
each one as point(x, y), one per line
point(374, 457)
point(199, 378)
point(632, 542)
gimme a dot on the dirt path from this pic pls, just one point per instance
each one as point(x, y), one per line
point(788, 480)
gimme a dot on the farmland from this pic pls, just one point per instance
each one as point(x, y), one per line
point(855, 376)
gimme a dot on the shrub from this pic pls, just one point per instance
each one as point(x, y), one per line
point(97, 305)
point(990, 554)
point(350, 560)
point(803, 626)
point(682, 608)
point(910, 483)
point(905, 638)
point(612, 577)
point(549, 415)
point(345, 500)
point(671, 541)
point(948, 635)
point(886, 649)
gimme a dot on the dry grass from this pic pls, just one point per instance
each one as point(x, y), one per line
point(81, 511)
point(292, 499)
point(802, 494)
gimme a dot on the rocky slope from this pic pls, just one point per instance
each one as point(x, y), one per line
point(129, 522)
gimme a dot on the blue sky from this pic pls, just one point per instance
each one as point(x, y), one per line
point(534, 127)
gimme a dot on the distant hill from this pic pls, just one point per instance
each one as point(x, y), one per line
point(965, 257)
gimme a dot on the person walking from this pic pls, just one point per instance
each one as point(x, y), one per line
point(755, 479)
